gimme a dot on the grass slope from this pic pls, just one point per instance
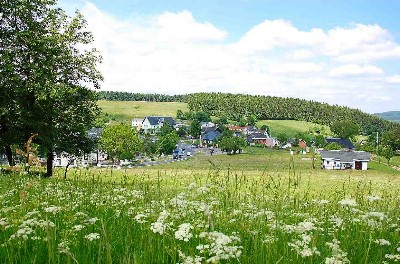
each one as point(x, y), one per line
point(126, 110)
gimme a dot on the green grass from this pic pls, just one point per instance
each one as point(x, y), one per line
point(127, 110)
point(247, 216)
point(291, 127)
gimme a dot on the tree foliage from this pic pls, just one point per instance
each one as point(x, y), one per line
point(167, 143)
point(230, 143)
point(278, 108)
point(126, 96)
point(120, 142)
point(45, 79)
point(345, 129)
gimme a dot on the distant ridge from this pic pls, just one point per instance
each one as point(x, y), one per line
point(390, 115)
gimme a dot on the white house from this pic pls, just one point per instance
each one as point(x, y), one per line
point(153, 123)
point(340, 160)
point(137, 123)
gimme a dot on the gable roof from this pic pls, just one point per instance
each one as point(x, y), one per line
point(344, 142)
point(155, 120)
point(257, 135)
point(211, 135)
point(345, 156)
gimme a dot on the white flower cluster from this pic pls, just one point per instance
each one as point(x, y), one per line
point(140, 218)
point(382, 242)
point(92, 236)
point(159, 226)
point(394, 257)
point(338, 256)
point(183, 232)
point(221, 246)
point(302, 246)
point(373, 198)
point(348, 202)
point(189, 259)
point(52, 209)
point(77, 228)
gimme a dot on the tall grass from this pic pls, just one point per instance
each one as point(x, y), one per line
point(214, 216)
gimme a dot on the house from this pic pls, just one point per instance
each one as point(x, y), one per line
point(209, 135)
point(344, 142)
point(261, 138)
point(152, 124)
point(137, 123)
point(341, 159)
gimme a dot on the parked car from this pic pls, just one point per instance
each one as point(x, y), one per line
point(178, 153)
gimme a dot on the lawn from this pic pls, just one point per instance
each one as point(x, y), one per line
point(291, 127)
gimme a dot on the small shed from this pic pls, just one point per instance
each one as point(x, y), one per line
point(340, 160)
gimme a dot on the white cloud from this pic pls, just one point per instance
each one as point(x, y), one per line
point(173, 53)
point(355, 70)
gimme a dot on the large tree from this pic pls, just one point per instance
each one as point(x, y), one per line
point(47, 70)
point(120, 141)
point(345, 129)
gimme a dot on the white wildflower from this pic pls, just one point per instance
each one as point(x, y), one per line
point(52, 209)
point(338, 256)
point(394, 257)
point(189, 259)
point(3, 221)
point(140, 218)
point(77, 228)
point(373, 198)
point(158, 227)
point(304, 227)
point(183, 232)
point(302, 246)
point(379, 215)
point(92, 236)
point(91, 220)
point(221, 246)
point(347, 202)
point(63, 247)
point(382, 242)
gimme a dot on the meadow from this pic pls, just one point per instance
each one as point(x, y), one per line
point(275, 209)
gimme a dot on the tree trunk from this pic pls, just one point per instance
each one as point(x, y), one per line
point(49, 171)
point(9, 155)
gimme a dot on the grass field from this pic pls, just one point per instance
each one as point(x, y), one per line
point(213, 209)
point(127, 110)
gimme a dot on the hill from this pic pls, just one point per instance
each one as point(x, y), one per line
point(124, 111)
point(391, 116)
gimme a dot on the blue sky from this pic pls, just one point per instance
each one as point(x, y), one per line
point(340, 52)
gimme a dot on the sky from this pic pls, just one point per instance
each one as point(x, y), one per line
point(337, 51)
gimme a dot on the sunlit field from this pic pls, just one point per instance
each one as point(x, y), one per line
point(213, 214)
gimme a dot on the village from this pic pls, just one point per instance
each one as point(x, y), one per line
point(345, 156)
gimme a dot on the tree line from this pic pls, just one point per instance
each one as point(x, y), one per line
point(237, 106)
point(126, 96)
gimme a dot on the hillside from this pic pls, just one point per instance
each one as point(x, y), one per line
point(391, 116)
point(124, 111)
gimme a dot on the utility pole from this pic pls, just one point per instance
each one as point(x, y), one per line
point(377, 147)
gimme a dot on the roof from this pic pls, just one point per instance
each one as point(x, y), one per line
point(344, 142)
point(94, 132)
point(155, 120)
point(257, 135)
point(211, 135)
point(345, 156)
point(210, 129)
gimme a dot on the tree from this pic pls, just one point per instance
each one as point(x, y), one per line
point(45, 78)
point(180, 115)
point(333, 146)
point(195, 128)
point(282, 138)
point(387, 153)
point(230, 143)
point(319, 141)
point(120, 142)
point(266, 129)
point(165, 129)
point(251, 120)
point(345, 129)
point(149, 144)
point(167, 143)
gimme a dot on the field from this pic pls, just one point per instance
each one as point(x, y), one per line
point(261, 207)
point(127, 110)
